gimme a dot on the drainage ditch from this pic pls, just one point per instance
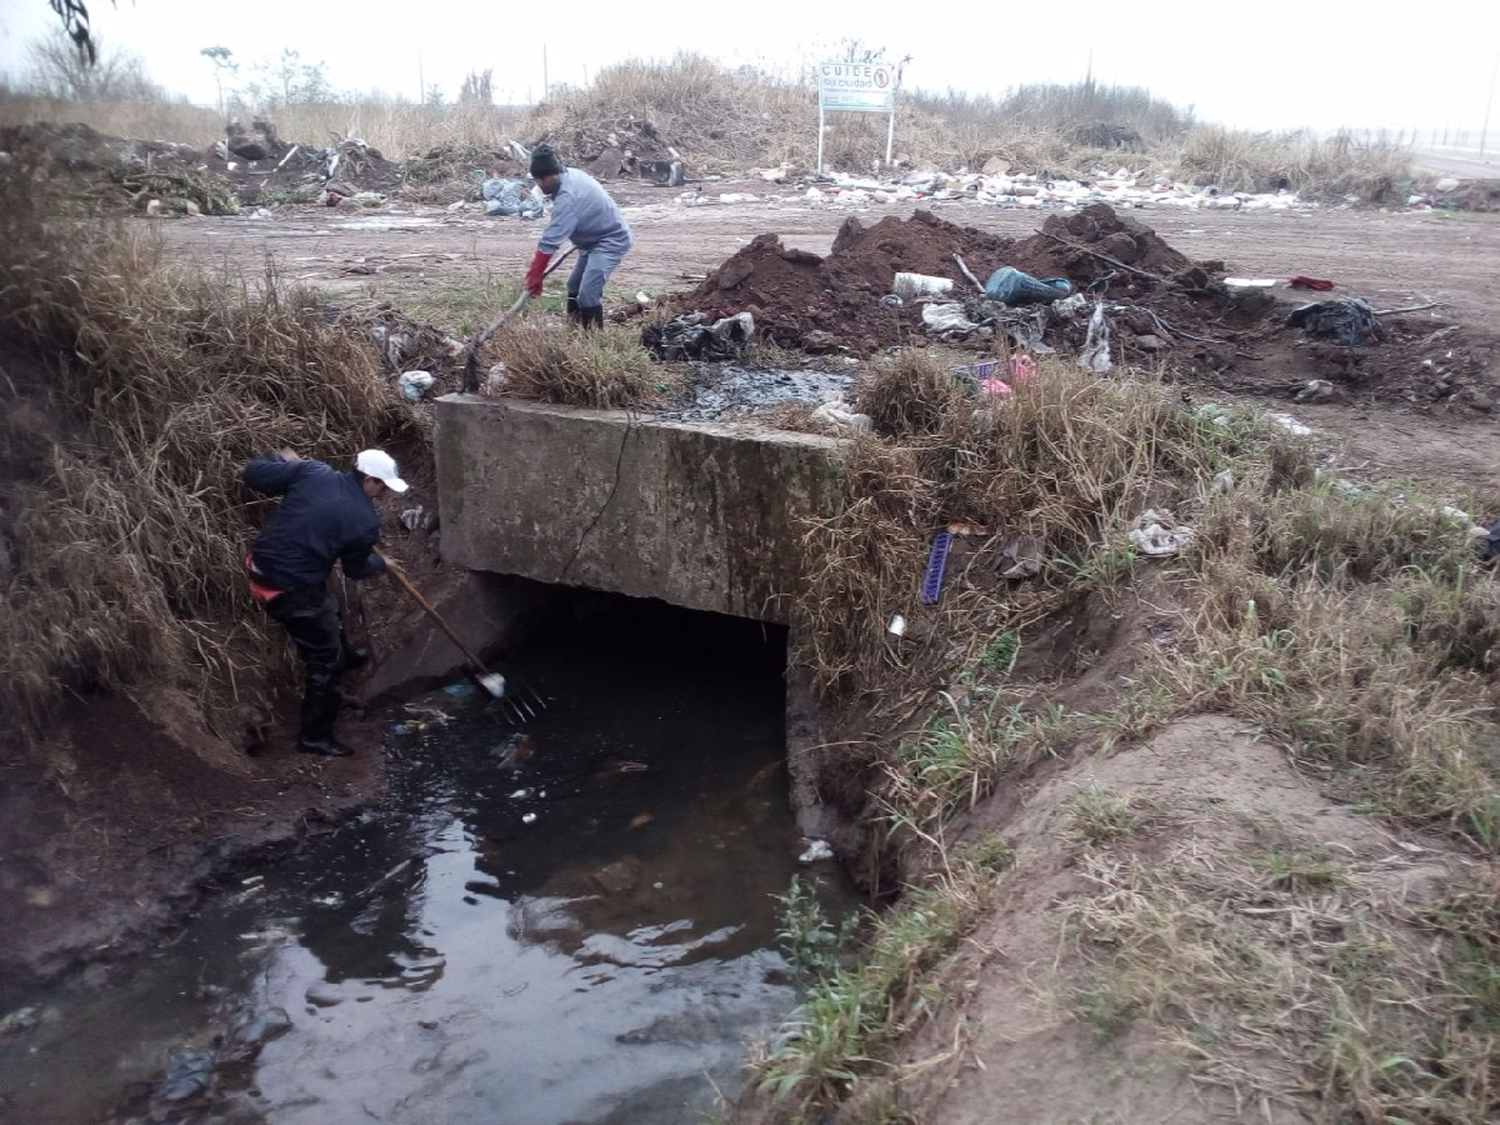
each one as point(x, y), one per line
point(571, 921)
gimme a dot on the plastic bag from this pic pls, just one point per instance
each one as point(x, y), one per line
point(1095, 354)
point(1010, 286)
point(508, 198)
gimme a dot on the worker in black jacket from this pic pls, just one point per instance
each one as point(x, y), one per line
point(326, 516)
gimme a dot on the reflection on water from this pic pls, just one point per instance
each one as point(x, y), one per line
point(583, 937)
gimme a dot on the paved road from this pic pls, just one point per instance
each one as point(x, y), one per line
point(1465, 168)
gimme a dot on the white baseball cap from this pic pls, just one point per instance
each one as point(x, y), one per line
point(381, 465)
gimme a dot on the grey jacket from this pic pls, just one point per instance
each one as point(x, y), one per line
point(584, 212)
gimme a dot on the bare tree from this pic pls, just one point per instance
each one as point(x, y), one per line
point(60, 69)
point(75, 20)
point(223, 62)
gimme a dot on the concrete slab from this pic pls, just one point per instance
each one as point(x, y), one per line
point(706, 516)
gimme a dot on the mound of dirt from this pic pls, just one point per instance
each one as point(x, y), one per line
point(824, 304)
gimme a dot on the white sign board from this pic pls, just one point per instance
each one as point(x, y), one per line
point(857, 87)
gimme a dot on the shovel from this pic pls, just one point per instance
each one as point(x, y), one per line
point(471, 360)
point(523, 705)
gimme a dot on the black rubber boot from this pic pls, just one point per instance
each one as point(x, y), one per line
point(573, 308)
point(320, 709)
point(592, 317)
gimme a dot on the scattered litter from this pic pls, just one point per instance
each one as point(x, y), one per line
point(411, 518)
point(1301, 281)
point(693, 337)
point(1214, 413)
point(976, 373)
point(910, 285)
point(932, 581)
point(945, 320)
point(1350, 322)
point(1019, 558)
point(995, 388)
point(1095, 354)
point(461, 690)
point(897, 627)
point(1224, 482)
point(1158, 534)
point(22, 1019)
point(1250, 282)
point(529, 818)
point(1011, 287)
point(837, 412)
point(520, 794)
point(1316, 390)
point(817, 850)
point(415, 384)
point(1291, 425)
point(1491, 547)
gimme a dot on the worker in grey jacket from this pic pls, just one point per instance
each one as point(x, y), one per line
point(583, 212)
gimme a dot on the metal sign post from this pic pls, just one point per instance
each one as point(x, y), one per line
point(857, 88)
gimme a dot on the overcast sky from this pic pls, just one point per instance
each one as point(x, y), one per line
point(1254, 65)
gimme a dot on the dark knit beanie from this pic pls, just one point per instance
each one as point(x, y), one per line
point(544, 162)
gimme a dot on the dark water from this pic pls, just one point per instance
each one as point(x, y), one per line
point(587, 938)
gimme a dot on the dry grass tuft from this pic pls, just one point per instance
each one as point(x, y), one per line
point(1378, 169)
point(604, 369)
point(138, 393)
point(1066, 461)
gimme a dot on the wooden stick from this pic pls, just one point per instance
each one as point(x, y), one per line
point(1111, 261)
point(961, 265)
point(1410, 308)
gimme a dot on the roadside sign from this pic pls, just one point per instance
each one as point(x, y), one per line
point(847, 87)
point(857, 87)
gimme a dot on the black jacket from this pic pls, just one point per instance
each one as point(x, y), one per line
point(325, 518)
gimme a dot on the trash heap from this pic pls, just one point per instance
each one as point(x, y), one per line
point(262, 168)
point(1121, 188)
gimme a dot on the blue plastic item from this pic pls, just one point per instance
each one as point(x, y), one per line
point(1010, 286)
point(932, 584)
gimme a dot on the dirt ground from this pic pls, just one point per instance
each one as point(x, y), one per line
point(1392, 259)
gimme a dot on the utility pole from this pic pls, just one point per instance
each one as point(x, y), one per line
point(1484, 131)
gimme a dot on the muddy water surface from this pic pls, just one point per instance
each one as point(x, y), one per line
point(586, 935)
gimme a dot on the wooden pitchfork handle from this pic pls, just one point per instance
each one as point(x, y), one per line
point(395, 571)
point(494, 325)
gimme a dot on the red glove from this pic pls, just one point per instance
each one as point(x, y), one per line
point(535, 273)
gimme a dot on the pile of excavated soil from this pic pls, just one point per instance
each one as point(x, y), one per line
point(801, 300)
point(1166, 312)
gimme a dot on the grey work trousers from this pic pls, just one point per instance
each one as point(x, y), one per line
point(591, 271)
